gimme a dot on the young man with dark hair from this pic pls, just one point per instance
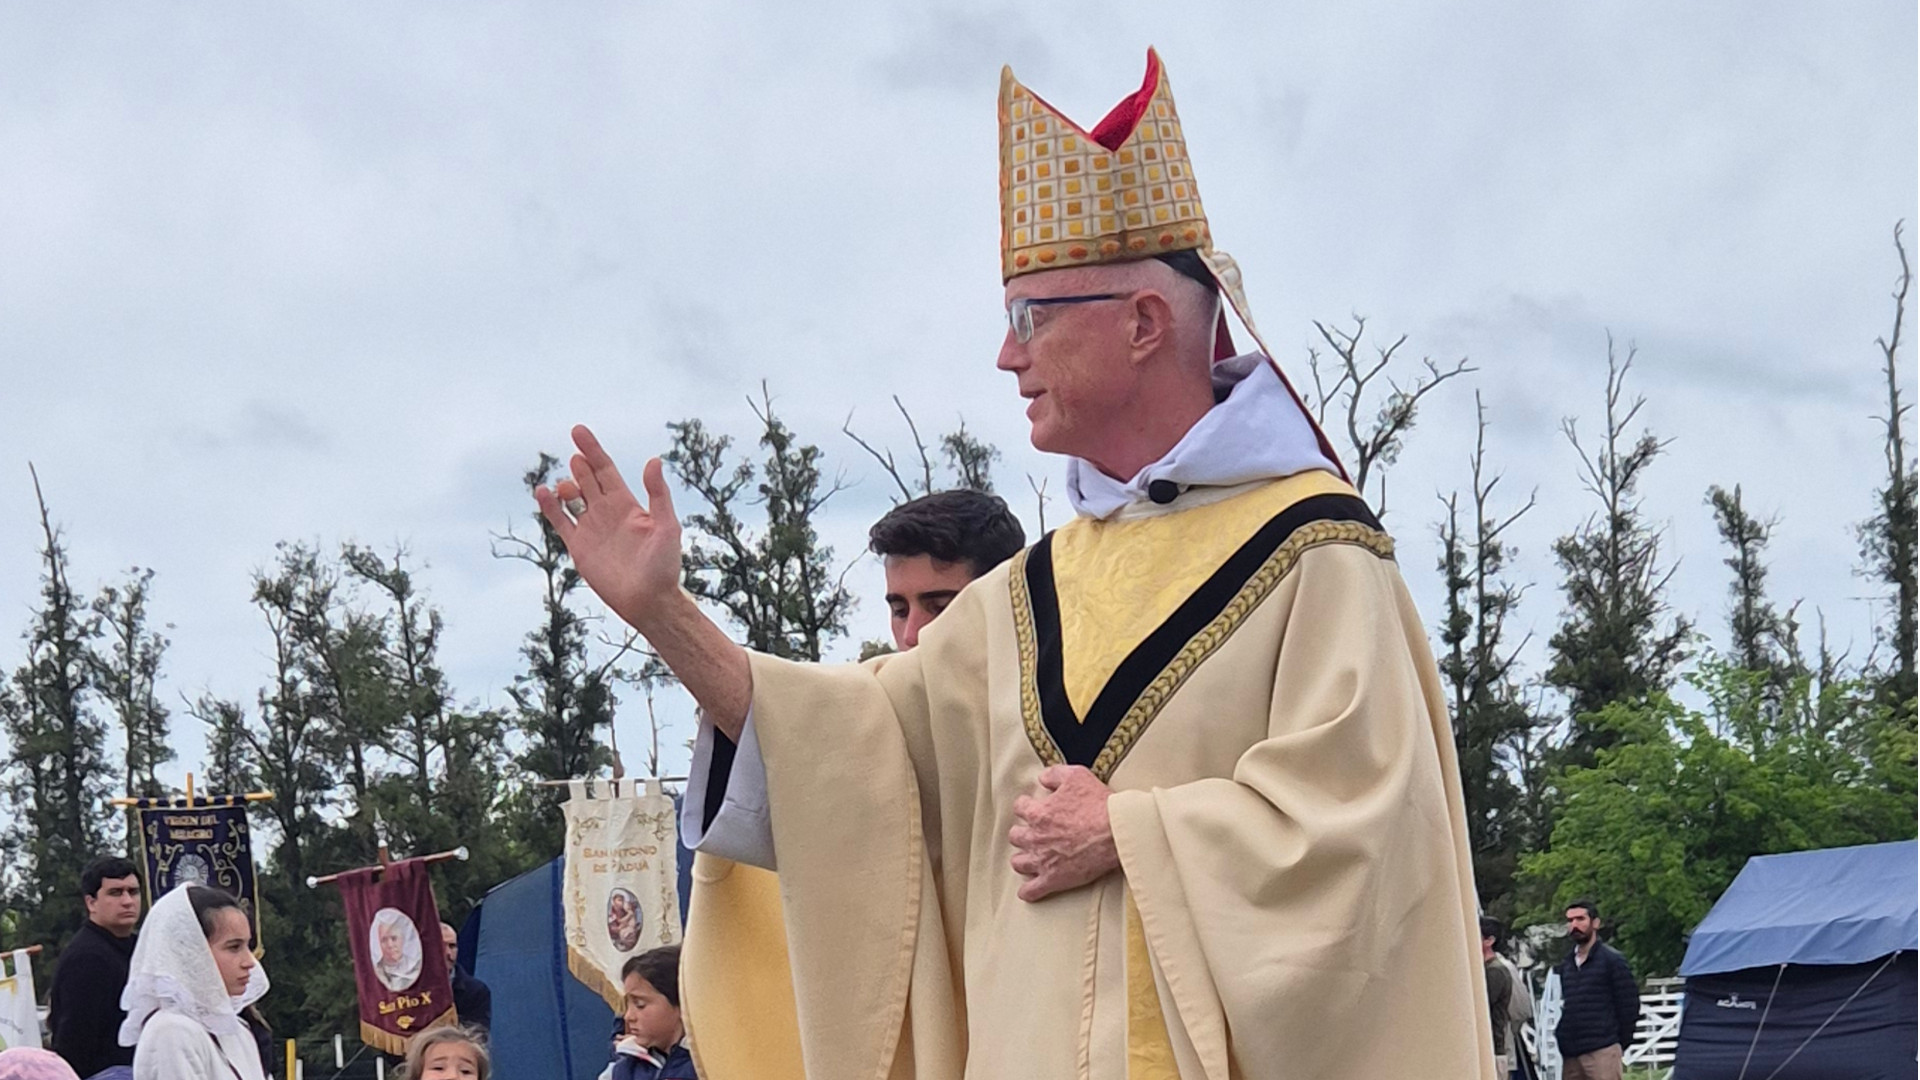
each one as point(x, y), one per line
point(84, 1005)
point(1601, 1001)
point(932, 546)
point(738, 981)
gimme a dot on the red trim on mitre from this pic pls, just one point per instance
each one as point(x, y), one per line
point(1125, 117)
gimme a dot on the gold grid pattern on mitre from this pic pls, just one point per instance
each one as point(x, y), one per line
point(1066, 200)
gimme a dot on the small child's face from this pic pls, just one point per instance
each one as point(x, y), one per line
point(450, 1061)
point(650, 1018)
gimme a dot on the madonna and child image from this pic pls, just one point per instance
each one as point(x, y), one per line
point(623, 919)
point(395, 944)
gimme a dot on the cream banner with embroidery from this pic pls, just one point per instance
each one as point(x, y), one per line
point(19, 1022)
point(620, 891)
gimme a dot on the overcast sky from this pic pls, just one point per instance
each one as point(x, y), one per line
point(337, 271)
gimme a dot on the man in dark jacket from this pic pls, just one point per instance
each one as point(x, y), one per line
point(84, 1005)
point(472, 999)
point(1600, 1003)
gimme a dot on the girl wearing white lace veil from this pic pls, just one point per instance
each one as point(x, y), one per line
point(193, 971)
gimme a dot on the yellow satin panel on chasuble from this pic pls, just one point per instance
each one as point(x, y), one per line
point(1117, 581)
point(1149, 1048)
point(736, 980)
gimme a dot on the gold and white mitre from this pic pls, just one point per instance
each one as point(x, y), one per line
point(1123, 191)
point(1120, 192)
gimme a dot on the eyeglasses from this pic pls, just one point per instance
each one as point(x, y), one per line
point(1020, 312)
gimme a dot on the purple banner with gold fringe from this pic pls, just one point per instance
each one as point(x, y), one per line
point(393, 933)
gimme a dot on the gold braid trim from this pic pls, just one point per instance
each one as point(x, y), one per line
point(584, 968)
point(1029, 661)
point(1202, 645)
point(388, 1043)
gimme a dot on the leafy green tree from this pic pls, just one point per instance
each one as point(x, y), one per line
point(1492, 725)
point(1616, 642)
point(1679, 798)
point(450, 781)
point(292, 748)
point(970, 459)
point(230, 763)
point(341, 650)
point(777, 583)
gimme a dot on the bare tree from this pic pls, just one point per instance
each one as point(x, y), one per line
point(1040, 500)
point(1888, 538)
point(969, 460)
point(1375, 441)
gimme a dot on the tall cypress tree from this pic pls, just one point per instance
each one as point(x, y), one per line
point(1889, 540)
point(563, 698)
point(126, 668)
point(1757, 634)
point(56, 764)
point(1492, 725)
point(1616, 641)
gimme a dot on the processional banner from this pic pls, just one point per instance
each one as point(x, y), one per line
point(19, 1020)
point(399, 966)
point(620, 892)
point(206, 842)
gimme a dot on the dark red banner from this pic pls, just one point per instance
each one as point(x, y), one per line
point(393, 931)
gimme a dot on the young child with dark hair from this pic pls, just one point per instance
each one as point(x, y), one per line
point(652, 1044)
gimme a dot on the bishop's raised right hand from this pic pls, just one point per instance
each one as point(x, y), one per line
point(629, 554)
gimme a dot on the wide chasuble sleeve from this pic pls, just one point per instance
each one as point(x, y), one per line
point(1296, 898)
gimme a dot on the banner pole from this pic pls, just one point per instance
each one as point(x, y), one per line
point(460, 853)
point(564, 783)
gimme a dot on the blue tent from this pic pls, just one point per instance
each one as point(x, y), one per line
point(546, 1024)
point(1805, 969)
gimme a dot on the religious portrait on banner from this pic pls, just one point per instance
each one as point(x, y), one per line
point(394, 943)
point(623, 919)
point(405, 987)
point(620, 891)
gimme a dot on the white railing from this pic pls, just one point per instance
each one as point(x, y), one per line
point(1654, 1040)
point(1658, 1035)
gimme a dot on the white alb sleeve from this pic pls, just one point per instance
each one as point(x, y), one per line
point(740, 828)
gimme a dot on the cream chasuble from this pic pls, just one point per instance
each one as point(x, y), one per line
point(1246, 670)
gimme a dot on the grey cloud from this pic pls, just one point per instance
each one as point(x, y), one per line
point(404, 249)
point(260, 425)
point(949, 49)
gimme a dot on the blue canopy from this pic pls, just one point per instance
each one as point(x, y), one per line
point(546, 1023)
point(1835, 906)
